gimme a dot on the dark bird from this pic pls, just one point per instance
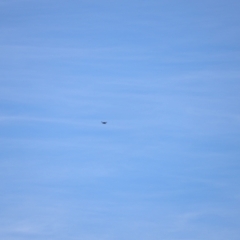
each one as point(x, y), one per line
point(104, 122)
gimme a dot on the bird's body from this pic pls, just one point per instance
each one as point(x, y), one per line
point(104, 122)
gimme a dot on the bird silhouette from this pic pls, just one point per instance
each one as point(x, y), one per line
point(104, 122)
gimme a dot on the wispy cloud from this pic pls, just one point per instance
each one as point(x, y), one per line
point(164, 75)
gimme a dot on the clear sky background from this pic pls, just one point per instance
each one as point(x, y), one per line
point(165, 75)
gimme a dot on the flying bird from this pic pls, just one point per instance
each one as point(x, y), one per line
point(104, 122)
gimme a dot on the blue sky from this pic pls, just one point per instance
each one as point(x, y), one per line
point(165, 75)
